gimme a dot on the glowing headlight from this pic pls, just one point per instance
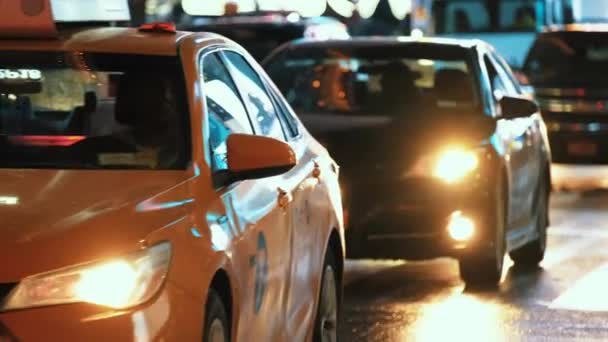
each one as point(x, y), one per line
point(119, 283)
point(460, 227)
point(454, 164)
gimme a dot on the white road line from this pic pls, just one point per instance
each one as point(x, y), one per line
point(583, 232)
point(587, 294)
point(555, 255)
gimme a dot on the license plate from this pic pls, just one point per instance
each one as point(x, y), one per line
point(582, 149)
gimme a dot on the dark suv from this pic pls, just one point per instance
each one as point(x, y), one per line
point(567, 68)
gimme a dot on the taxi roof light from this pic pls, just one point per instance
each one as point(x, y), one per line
point(158, 27)
point(39, 18)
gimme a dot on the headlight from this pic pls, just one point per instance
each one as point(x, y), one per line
point(454, 164)
point(118, 283)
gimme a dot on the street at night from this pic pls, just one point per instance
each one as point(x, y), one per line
point(303, 170)
point(564, 300)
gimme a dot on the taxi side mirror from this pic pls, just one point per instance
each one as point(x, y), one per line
point(254, 157)
point(516, 107)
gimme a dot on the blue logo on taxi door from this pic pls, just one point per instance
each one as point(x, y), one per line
point(261, 272)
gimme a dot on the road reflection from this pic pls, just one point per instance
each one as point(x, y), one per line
point(460, 316)
point(562, 300)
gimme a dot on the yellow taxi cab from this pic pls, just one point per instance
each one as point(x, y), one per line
point(155, 185)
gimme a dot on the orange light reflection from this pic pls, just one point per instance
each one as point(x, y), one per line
point(459, 317)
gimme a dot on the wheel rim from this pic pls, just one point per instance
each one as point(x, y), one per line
point(217, 331)
point(328, 307)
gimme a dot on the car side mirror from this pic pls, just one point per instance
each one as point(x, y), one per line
point(254, 157)
point(516, 107)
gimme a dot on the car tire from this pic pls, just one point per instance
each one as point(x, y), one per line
point(531, 254)
point(217, 327)
point(483, 269)
point(326, 321)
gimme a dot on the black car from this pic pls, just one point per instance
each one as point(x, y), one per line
point(440, 152)
point(262, 32)
point(567, 68)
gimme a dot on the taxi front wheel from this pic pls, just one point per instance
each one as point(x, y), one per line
point(217, 328)
point(326, 322)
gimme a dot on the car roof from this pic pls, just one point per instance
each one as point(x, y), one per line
point(578, 27)
point(385, 41)
point(106, 40)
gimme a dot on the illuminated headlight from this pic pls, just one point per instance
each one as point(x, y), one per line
point(460, 227)
point(120, 283)
point(454, 164)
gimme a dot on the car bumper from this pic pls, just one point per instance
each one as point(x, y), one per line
point(170, 316)
point(579, 143)
point(579, 177)
point(410, 221)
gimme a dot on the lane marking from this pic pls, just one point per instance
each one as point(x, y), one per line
point(587, 294)
point(565, 251)
point(583, 232)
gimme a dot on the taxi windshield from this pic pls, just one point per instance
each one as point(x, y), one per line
point(374, 81)
point(78, 110)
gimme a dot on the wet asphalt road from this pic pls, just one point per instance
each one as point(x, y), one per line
point(565, 300)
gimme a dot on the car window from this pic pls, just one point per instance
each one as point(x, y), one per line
point(286, 114)
point(505, 74)
point(60, 110)
point(364, 81)
point(225, 110)
point(259, 104)
point(568, 59)
point(499, 89)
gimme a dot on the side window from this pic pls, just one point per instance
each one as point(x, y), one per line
point(505, 69)
point(499, 89)
point(259, 104)
point(286, 115)
point(225, 109)
point(506, 75)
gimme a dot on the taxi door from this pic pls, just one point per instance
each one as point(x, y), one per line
point(312, 209)
point(309, 212)
point(274, 259)
point(256, 211)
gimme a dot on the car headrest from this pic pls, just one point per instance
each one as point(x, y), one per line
point(453, 85)
point(90, 101)
point(399, 74)
point(140, 95)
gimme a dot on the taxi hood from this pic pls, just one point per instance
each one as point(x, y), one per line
point(52, 219)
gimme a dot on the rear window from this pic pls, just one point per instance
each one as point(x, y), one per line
point(78, 110)
point(375, 81)
point(467, 16)
point(568, 57)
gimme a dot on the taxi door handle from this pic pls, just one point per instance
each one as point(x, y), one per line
point(284, 198)
point(316, 171)
point(529, 136)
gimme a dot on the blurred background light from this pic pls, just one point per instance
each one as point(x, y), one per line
point(367, 7)
point(400, 8)
point(308, 8)
point(344, 8)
